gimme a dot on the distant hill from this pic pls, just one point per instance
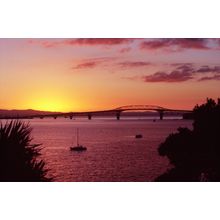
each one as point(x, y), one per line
point(23, 113)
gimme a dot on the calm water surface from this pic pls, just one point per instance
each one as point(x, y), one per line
point(113, 153)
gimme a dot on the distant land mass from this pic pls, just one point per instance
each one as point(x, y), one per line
point(30, 112)
point(23, 113)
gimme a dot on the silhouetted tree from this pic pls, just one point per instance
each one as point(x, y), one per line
point(18, 157)
point(195, 154)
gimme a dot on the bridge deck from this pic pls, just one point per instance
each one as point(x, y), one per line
point(116, 111)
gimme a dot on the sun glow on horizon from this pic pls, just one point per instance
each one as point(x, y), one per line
point(50, 103)
point(57, 104)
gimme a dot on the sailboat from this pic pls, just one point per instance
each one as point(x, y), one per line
point(78, 147)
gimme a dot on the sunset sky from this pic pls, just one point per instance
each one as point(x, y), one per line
point(96, 74)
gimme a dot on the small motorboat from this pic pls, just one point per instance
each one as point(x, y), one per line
point(138, 136)
point(78, 147)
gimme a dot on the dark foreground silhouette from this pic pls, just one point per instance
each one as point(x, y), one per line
point(18, 157)
point(195, 154)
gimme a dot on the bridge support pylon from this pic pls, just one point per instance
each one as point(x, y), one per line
point(118, 115)
point(161, 113)
point(89, 116)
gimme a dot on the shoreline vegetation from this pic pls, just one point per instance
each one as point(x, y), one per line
point(195, 153)
point(19, 157)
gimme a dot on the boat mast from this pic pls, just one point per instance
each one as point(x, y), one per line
point(77, 136)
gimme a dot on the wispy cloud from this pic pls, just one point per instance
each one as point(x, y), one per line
point(125, 50)
point(174, 76)
point(110, 62)
point(208, 69)
point(215, 77)
point(174, 44)
point(82, 42)
point(132, 64)
point(98, 41)
point(45, 43)
point(92, 63)
point(86, 65)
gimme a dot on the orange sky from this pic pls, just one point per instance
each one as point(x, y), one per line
point(96, 74)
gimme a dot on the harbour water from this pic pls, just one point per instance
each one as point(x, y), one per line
point(113, 153)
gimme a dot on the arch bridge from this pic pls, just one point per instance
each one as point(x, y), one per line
point(117, 111)
point(156, 108)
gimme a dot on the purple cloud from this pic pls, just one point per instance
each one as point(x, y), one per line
point(174, 44)
point(131, 64)
point(86, 65)
point(215, 77)
point(174, 76)
point(82, 42)
point(207, 69)
point(93, 62)
point(184, 72)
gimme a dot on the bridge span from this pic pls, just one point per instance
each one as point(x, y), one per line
point(116, 111)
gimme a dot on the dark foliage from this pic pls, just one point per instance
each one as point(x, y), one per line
point(18, 157)
point(195, 154)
